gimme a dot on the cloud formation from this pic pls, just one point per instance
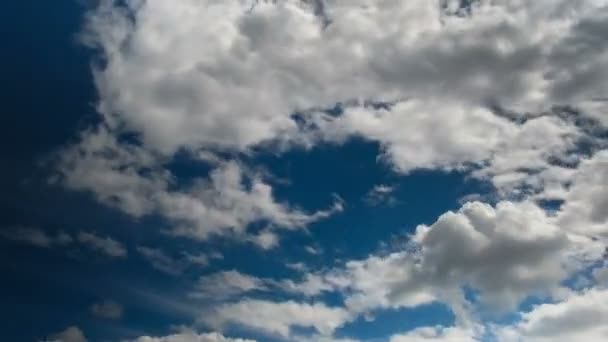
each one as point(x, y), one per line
point(510, 92)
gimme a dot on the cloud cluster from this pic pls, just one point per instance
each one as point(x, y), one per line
point(500, 89)
point(443, 87)
point(504, 253)
point(134, 180)
point(241, 87)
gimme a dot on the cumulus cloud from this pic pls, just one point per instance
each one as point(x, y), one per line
point(506, 253)
point(437, 84)
point(586, 201)
point(582, 316)
point(277, 318)
point(244, 84)
point(190, 337)
point(395, 85)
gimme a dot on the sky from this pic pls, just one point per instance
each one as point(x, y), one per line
point(304, 171)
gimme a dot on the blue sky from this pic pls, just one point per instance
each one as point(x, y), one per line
point(320, 170)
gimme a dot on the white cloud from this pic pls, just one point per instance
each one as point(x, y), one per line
point(391, 281)
point(106, 245)
point(265, 240)
point(241, 87)
point(191, 337)
point(523, 159)
point(108, 309)
point(601, 275)
point(436, 90)
point(311, 285)
point(277, 317)
point(70, 334)
point(586, 201)
point(132, 179)
point(421, 134)
point(381, 194)
point(581, 317)
point(227, 284)
point(505, 253)
point(438, 334)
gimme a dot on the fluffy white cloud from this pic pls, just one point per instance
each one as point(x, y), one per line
point(277, 317)
point(505, 253)
point(382, 282)
point(191, 337)
point(422, 134)
point(586, 201)
point(106, 245)
point(438, 87)
point(582, 317)
point(261, 61)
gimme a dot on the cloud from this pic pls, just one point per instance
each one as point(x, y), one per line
point(520, 56)
point(232, 284)
point(601, 276)
point(36, 237)
point(586, 199)
point(479, 88)
point(277, 318)
point(132, 179)
point(505, 253)
point(163, 262)
point(106, 245)
point(381, 194)
point(40, 238)
point(438, 334)
point(108, 309)
point(227, 284)
point(418, 134)
point(191, 337)
point(70, 334)
point(265, 240)
point(582, 316)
